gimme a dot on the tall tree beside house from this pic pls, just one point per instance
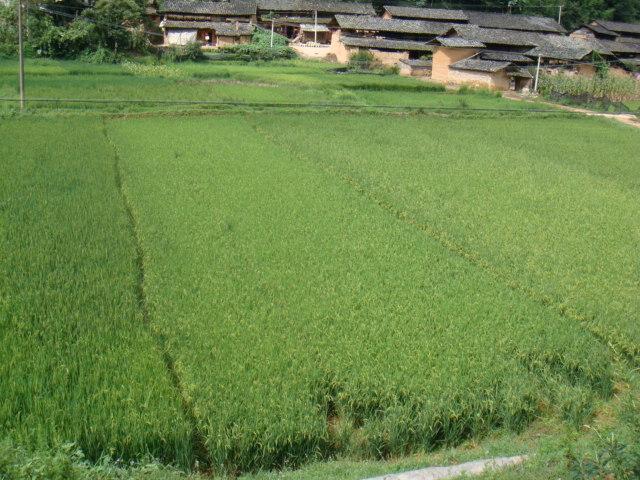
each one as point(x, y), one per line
point(108, 27)
point(119, 24)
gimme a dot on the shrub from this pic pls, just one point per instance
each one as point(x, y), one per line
point(263, 37)
point(362, 59)
point(192, 52)
point(253, 52)
point(101, 55)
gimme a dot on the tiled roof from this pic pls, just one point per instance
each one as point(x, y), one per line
point(296, 19)
point(505, 56)
point(599, 29)
point(620, 47)
point(480, 65)
point(496, 36)
point(226, 29)
point(235, 7)
point(356, 8)
point(519, 72)
point(306, 27)
point(624, 39)
point(459, 42)
point(426, 13)
point(386, 44)
point(361, 22)
point(416, 63)
point(514, 22)
point(558, 47)
point(620, 27)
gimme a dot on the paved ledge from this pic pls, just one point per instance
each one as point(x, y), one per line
point(470, 468)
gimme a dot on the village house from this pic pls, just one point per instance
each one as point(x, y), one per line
point(213, 24)
point(300, 19)
point(621, 39)
point(556, 52)
point(389, 40)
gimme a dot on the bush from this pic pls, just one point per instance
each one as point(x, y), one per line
point(192, 52)
point(101, 55)
point(263, 38)
point(363, 60)
point(253, 52)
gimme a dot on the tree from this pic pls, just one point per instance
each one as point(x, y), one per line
point(118, 24)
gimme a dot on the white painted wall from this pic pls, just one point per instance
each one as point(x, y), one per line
point(181, 37)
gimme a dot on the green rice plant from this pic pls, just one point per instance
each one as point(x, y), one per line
point(77, 364)
point(293, 303)
point(549, 207)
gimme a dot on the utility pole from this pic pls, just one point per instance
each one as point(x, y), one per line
point(272, 20)
point(20, 56)
point(535, 83)
point(559, 13)
point(315, 26)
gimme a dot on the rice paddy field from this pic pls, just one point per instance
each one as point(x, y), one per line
point(311, 292)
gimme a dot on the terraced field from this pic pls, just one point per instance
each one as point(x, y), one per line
point(253, 291)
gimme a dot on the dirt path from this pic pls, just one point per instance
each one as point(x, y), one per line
point(467, 469)
point(626, 118)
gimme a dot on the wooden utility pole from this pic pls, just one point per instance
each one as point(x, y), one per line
point(20, 56)
point(272, 20)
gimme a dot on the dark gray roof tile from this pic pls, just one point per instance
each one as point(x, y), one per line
point(527, 23)
point(426, 13)
point(480, 65)
point(386, 44)
point(620, 27)
point(232, 7)
point(228, 29)
point(355, 8)
point(505, 56)
point(377, 24)
point(459, 42)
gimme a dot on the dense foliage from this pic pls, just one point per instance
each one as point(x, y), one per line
point(66, 30)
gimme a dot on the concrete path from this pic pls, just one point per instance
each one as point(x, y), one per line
point(470, 468)
point(626, 118)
